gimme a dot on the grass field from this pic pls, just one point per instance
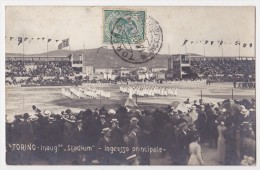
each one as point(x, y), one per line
point(20, 99)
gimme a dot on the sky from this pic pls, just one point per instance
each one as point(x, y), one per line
point(84, 27)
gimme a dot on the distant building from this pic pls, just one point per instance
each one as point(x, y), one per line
point(123, 71)
point(141, 76)
point(157, 69)
point(103, 70)
point(179, 64)
point(160, 75)
point(87, 70)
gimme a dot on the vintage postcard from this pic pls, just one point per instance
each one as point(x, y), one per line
point(130, 85)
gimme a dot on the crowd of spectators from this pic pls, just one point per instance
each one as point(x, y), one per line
point(20, 68)
point(32, 73)
point(227, 126)
point(224, 67)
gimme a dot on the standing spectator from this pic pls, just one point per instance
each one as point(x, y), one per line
point(221, 142)
point(182, 144)
point(202, 124)
point(230, 144)
point(212, 126)
point(195, 152)
point(103, 156)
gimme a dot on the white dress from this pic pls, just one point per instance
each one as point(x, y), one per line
point(195, 154)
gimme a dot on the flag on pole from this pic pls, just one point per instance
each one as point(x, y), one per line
point(244, 45)
point(206, 42)
point(43, 38)
point(211, 43)
point(221, 42)
point(11, 38)
point(49, 40)
point(185, 41)
point(20, 40)
point(57, 40)
point(26, 38)
point(250, 45)
point(191, 42)
point(65, 43)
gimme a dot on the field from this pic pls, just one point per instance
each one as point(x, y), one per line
point(20, 99)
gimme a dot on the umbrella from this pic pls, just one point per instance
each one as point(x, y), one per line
point(182, 107)
point(175, 104)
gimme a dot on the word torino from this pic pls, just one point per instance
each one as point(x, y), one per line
point(33, 147)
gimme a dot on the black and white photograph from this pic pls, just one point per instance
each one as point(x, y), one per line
point(130, 85)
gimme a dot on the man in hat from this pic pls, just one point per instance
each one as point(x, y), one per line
point(104, 157)
point(212, 125)
point(202, 124)
point(116, 139)
point(182, 144)
point(79, 138)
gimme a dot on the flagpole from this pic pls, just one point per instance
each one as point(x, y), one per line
point(239, 49)
point(204, 46)
point(221, 48)
point(47, 50)
point(23, 48)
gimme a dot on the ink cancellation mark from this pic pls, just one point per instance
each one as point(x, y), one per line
point(140, 51)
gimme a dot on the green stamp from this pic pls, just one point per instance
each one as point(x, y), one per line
point(124, 26)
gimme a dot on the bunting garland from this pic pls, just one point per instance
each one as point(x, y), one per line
point(218, 42)
point(29, 39)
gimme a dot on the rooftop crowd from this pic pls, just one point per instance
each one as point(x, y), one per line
point(180, 129)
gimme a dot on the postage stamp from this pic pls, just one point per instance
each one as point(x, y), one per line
point(129, 23)
point(134, 38)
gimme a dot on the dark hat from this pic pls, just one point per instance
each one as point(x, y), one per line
point(26, 116)
point(68, 111)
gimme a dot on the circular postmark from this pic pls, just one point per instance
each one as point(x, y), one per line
point(128, 43)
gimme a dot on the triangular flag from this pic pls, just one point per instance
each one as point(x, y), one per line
point(206, 42)
point(20, 40)
point(43, 38)
point(11, 38)
point(250, 45)
point(211, 43)
point(185, 41)
point(26, 38)
point(49, 40)
point(244, 45)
